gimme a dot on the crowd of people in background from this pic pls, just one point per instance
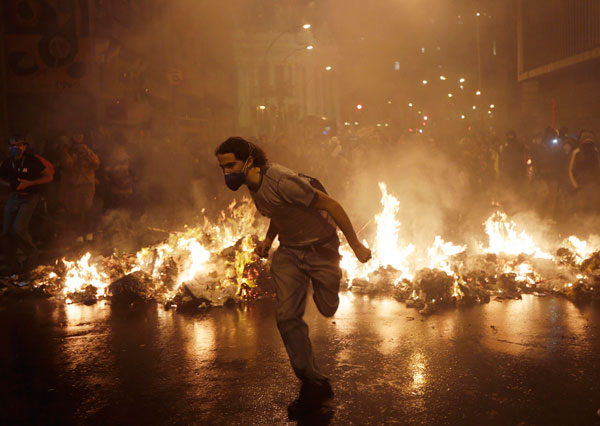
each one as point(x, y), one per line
point(556, 173)
point(84, 174)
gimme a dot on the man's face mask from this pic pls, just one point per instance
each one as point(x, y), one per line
point(15, 151)
point(237, 179)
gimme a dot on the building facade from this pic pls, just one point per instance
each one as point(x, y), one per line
point(559, 62)
point(285, 80)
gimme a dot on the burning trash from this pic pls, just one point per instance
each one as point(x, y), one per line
point(205, 266)
point(213, 264)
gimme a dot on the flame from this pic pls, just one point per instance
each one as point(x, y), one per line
point(197, 253)
point(190, 251)
point(387, 250)
point(440, 253)
point(581, 249)
point(242, 258)
point(80, 274)
point(193, 260)
point(504, 238)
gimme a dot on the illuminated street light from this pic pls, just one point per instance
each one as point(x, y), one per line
point(425, 117)
point(328, 68)
point(442, 77)
point(462, 87)
point(478, 93)
point(410, 105)
point(462, 80)
point(359, 107)
point(462, 117)
point(424, 82)
point(474, 107)
point(478, 14)
point(262, 107)
point(310, 47)
point(492, 106)
point(306, 26)
point(449, 95)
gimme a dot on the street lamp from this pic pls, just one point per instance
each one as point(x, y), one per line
point(309, 48)
point(305, 26)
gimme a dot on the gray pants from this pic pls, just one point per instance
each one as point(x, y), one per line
point(292, 270)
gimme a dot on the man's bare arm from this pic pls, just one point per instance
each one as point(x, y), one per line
point(324, 202)
point(47, 176)
point(571, 166)
point(262, 249)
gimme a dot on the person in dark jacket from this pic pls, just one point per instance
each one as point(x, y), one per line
point(25, 173)
point(584, 173)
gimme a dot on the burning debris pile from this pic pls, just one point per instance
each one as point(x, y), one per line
point(214, 263)
point(204, 266)
point(446, 275)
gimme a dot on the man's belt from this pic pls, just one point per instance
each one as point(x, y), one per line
point(320, 247)
point(24, 194)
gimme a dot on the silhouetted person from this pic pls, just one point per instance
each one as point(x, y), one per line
point(77, 185)
point(25, 173)
point(513, 163)
point(584, 173)
point(550, 166)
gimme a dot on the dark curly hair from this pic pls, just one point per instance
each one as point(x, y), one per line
point(16, 137)
point(242, 149)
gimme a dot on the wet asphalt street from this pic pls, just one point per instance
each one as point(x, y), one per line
point(529, 362)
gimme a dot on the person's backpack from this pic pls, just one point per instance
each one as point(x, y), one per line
point(314, 182)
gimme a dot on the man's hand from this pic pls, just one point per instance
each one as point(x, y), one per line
point(262, 248)
point(363, 254)
point(24, 184)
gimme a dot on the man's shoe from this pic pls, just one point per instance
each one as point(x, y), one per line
point(318, 391)
point(312, 400)
point(299, 408)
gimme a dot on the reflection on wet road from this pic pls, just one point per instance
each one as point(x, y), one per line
point(533, 361)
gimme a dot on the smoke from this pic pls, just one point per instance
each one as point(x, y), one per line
point(428, 184)
point(170, 85)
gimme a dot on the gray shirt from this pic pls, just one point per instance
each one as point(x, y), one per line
point(285, 197)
